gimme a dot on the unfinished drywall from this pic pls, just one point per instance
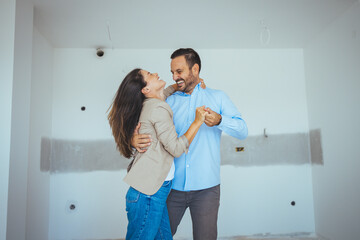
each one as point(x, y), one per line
point(80, 156)
point(316, 152)
point(60, 156)
point(263, 150)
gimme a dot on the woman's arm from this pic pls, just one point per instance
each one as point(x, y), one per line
point(169, 90)
point(195, 126)
point(166, 133)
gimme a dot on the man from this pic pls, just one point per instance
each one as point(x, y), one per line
point(196, 183)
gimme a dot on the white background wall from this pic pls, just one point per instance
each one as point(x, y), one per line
point(38, 194)
point(20, 121)
point(268, 86)
point(274, 83)
point(7, 25)
point(332, 64)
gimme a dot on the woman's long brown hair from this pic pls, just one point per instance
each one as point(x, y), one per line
point(125, 110)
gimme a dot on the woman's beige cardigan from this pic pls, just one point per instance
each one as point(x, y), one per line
point(149, 170)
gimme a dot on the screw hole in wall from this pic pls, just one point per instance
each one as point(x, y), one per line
point(72, 207)
point(83, 108)
point(100, 53)
point(293, 203)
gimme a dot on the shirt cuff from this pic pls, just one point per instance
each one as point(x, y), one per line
point(222, 123)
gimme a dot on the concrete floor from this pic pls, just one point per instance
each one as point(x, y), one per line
point(251, 238)
point(271, 238)
point(292, 236)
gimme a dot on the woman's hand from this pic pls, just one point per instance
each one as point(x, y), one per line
point(203, 86)
point(175, 86)
point(200, 114)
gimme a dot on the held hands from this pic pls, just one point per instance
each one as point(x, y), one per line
point(203, 115)
point(212, 118)
point(140, 141)
point(208, 116)
point(200, 114)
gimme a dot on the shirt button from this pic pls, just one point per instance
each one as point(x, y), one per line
point(187, 165)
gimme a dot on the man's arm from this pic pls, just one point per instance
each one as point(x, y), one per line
point(228, 120)
point(140, 141)
point(213, 118)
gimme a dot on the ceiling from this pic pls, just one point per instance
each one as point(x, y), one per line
point(171, 24)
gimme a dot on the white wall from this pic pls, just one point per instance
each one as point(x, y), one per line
point(37, 218)
point(7, 25)
point(268, 87)
point(20, 119)
point(332, 63)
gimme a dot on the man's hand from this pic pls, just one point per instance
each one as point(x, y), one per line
point(212, 118)
point(140, 141)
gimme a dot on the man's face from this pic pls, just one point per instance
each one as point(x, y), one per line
point(182, 75)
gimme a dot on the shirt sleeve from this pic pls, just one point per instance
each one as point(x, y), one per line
point(231, 122)
point(168, 91)
point(166, 133)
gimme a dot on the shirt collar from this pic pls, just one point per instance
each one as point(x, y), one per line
point(196, 89)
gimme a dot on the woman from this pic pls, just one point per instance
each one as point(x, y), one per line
point(140, 98)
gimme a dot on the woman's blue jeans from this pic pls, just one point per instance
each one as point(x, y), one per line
point(147, 215)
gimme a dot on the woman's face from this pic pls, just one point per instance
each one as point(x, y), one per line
point(153, 82)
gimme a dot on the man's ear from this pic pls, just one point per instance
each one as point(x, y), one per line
point(145, 90)
point(195, 69)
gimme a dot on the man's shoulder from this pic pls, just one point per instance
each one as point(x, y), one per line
point(208, 92)
point(207, 89)
point(214, 92)
point(176, 95)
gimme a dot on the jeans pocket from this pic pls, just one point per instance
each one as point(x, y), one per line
point(164, 190)
point(132, 195)
point(167, 184)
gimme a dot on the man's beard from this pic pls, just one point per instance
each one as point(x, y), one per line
point(189, 83)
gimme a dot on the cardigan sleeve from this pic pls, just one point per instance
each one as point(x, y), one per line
point(168, 91)
point(166, 133)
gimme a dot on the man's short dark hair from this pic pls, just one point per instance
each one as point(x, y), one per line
point(191, 56)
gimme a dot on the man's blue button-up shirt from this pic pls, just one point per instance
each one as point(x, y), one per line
point(200, 167)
